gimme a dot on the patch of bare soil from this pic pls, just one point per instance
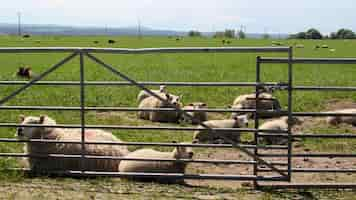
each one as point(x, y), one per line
point(336, 104)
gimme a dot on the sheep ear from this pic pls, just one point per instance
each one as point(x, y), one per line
point(204, 104)
point(42, 118)
point(195, 141)
point(22, 118)
point(191, 104)
point(174, 141)
point(167, 96)
point(229, 106)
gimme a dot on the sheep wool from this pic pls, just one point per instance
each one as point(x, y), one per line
point(44, 165)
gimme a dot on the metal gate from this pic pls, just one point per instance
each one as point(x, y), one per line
point(251, 149)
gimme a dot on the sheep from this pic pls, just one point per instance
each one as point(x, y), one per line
point(160, 116)
point(278, 124)
point(179, 152)
point(25, 72)
point(46, 165)
point(299, 46)
point(248, 101)
point(324, 46)
point(198, 116)
point(111, 41)
point(276, 43)
point(335, 120)
point(143, 94)
point(212, 136)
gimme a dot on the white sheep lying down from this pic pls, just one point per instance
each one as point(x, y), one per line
point(278, 124)
point(44, 165)
point(179, 152)
point(143, 94)
point(248, 101)
point(160, 116)
point(210, 136)
point(335, 120)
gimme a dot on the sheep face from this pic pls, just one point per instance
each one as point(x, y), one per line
point(241, 121)
point(181, 152)
point(34, 132)
point(173, 99)
point(162, 88)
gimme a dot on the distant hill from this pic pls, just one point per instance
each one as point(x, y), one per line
point(33, 29)
point(71, 30)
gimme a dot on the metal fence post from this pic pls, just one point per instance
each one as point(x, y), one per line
point(82, 110)
point(256, 116)
point(290, 110)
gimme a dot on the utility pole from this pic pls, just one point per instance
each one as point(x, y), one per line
point(19, 23)
point(139, 29)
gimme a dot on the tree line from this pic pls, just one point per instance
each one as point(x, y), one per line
point(315, 34)
point(228, 33)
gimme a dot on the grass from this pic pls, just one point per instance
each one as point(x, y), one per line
point(170, 67)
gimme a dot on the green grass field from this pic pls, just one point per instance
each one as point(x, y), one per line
point(172, 67)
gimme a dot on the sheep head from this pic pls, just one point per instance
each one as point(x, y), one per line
point(182, 152)
point(35, 132)
point(241, 121)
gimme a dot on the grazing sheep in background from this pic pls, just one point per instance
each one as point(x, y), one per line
point(316, 47)
point(44, 165)
point(299, 46)
point(278, 124)
point(324, 46)
point(111, 41)
point(332, 50)
point(179, 152)
point(143, 94)
point(160, 116)
point(96, 42)
point(212, 136)
point(198, 116)
point(335, 120)
point(275, 43)
point(248, 101)
point(25, 72)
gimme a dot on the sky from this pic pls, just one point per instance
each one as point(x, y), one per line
point(272, 16)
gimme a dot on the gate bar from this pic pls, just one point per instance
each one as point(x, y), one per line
point(144, 50)
point(310, 60)
point(10, 140)
point(14, 125)
point(75, 156)
point(147, 83)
